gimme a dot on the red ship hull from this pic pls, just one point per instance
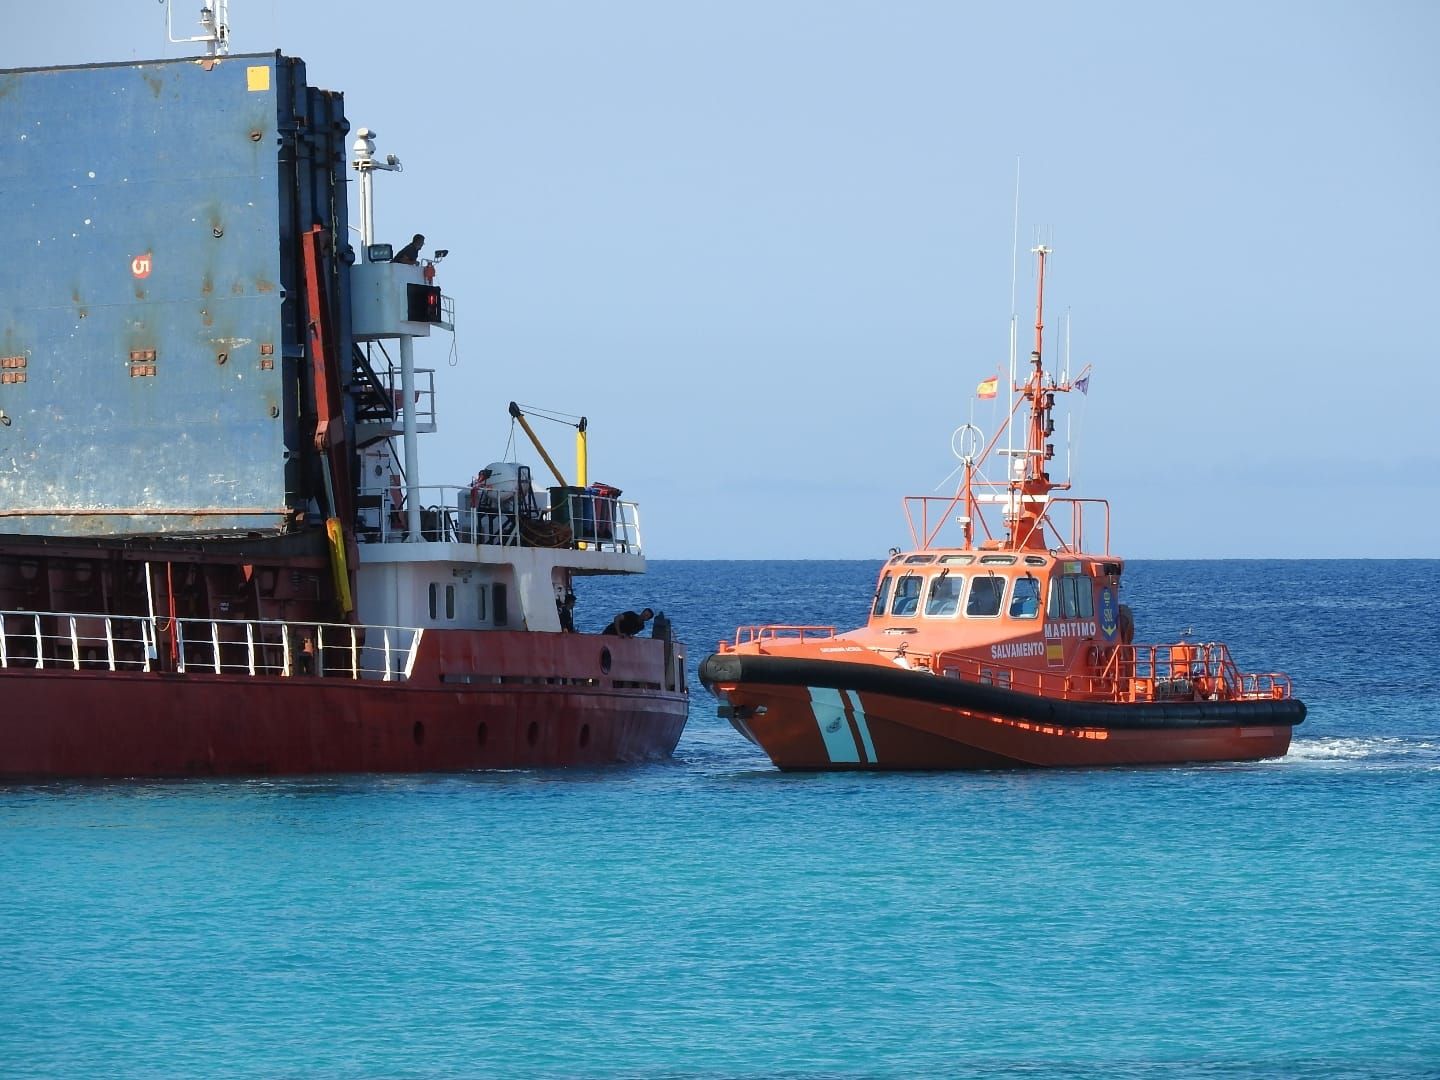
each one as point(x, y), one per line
point(509, 710)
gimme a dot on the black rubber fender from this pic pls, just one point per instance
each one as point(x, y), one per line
point(742, 668)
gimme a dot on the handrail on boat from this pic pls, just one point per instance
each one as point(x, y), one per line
point(99, 642)
point(925, 532)
point(1129, 673)
point(461, 514)
point(746, 634)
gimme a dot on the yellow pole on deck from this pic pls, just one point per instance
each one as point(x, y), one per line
point(582, 455)
point(520, 416)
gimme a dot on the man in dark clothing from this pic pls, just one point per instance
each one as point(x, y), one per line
point(628, 623)
point(410, 253)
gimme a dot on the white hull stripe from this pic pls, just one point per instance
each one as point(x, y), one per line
point(828, 708)
point(834, 711)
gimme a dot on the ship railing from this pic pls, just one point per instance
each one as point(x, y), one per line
point(339, 650)
point(1053, 684)
point(88, 641)
point(1187, 671)
point(746, 635)
point(41, 639)
point(1129, 673)
point(927, 516)
point(463, 514)
point(422, 401)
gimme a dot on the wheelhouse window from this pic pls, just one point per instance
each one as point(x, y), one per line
point(442, 600)
point(1071, 597)
point(985, 596)
point(1025, 598)
point(944, 598)
point(882, 595)
point(907, 595)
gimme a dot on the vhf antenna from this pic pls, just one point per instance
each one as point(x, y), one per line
point(214, 20)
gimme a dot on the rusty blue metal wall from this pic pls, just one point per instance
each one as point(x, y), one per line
point(153, 377)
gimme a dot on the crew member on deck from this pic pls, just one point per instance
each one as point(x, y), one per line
point(410, 253)
point(628, 623)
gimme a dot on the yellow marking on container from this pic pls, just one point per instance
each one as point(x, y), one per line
point(257, 77)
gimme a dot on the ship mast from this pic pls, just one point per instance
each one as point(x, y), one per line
point(214, 21)
point(1029, 473)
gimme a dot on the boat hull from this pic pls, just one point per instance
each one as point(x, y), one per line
point(82, 724)
point(472, 701)
point(834, 715)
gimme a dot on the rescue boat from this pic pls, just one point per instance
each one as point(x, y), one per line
point(1010, 649)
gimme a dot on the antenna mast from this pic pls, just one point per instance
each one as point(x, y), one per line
point(214, 21)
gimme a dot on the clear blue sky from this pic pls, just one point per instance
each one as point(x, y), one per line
point(765, 246)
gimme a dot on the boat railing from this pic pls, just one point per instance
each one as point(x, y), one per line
point(927, 516)
point(85, 641)
point(462, 514)
point(1186, 671)
point(422, 403)
point(748, 634)
point(1129, 673)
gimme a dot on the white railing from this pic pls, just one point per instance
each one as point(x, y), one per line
point(456, 514)
point(86, 641)
point(422, 406)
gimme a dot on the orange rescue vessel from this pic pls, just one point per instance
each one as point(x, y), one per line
point(1010, 650)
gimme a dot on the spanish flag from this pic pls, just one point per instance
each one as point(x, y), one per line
point(989, 388)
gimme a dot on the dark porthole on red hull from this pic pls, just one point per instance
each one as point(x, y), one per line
point(532, 733)
point(605, 661)
point(584, 736)
point(481, 734)
point(418, 733)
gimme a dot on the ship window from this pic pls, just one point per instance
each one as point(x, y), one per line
point(501, 603)
point(480, 602)
point(449, 601)
point(918, 560)
point(997, 560)
point(434, 595)
point(966, 559)
point(907, 595)
point(1025, 599)
point(882, 594)
point(944, 597)
point(1070, 598)
point(1034, 560)
point(985, 594)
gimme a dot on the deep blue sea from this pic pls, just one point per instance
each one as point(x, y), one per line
point(712, 917)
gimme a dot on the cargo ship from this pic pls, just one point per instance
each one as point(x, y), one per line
point(218, 555)
point(1010, 648)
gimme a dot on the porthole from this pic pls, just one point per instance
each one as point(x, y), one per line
point(605, 661)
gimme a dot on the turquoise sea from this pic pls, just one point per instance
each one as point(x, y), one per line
point(713, 917)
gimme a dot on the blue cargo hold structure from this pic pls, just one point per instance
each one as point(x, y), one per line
point(156, 324)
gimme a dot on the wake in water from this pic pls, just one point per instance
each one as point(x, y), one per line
point(1372, 751)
